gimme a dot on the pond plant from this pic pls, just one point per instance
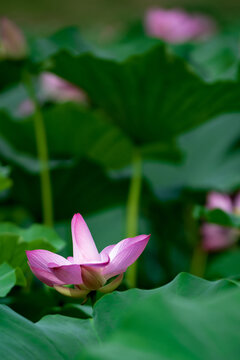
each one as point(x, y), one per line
point(141, 135)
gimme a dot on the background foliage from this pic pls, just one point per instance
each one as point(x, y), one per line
point(164, 117)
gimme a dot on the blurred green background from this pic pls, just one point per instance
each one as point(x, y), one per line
point(40, 16)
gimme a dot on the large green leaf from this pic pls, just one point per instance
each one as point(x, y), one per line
point(65, 39)
point(226, 265)
point(7, 279)
point(13, 262)
point(76, 183)
point(34, 233)
point(106, 311)
point(77, 187)
point(217, 216)
point(10, 277)
point(69, 335)
point(217, 58)
point(176, 321)
point(165, 327)
point(84, 132)
point(12, 99)
point(189, 286)
point(54, 337)
point(180, 321)
point(209, 162)
point(15, 241)
point(12, 250)
point(153, 96)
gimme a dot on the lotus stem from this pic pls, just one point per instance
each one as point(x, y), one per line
point(198, 262)
point(42, 150)
point(133, 212)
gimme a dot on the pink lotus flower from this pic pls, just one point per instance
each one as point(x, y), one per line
point(177, 26)
point(217, 237)
point(12, 42)
point(52, 88)
point(26, 108)
point(87, 269)
point(56, 89)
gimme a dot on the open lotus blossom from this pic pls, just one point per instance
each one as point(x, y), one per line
point(217, 237)
point(177, 26)
point(12, 42)
point(87, 269)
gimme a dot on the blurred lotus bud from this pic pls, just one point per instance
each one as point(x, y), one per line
point(12, 42)
point(215, 237)
point(236, 204)
point(177, 26)
point(219, 201)
point(26, 108)
point(54, 88)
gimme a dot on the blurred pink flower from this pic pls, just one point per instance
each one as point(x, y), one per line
point(57, 89)
point(12, 42)
point(26, 108)
point(217, 237)
point(87, 269)
point(52, 88)
point(177, 26)
point(236, 204)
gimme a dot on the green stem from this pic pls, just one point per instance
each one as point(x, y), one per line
point(46, 191)
point(133, 212)
point(199, 256)
point(93, 297)
point(199, 260)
